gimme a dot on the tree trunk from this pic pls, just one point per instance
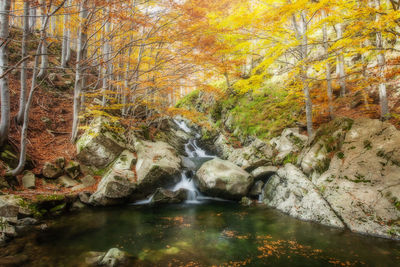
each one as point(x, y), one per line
point(25, 34)
point(32, 19)
point(340, 63)
point(5, 6)
point(82, 40)
point(106, 57)
point(44, 64)
point(381, 65)
point(64, 50)
point(328, 66)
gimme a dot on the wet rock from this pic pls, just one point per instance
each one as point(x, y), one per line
point(112, 258)
point(84, 197)
point(66, 181)
point(158, 165)
point(256, 190)
point(28, 180)
point(117, 184)
point(73, 169)
point(291, 192)
point(27, 221)
point(77, 205)
point(221, 178)
point(164, 196)
point(99, 146)
point(264, 172)
point(245, 201)
point(51, 171)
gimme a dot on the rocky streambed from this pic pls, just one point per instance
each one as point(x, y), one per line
point(346, 177)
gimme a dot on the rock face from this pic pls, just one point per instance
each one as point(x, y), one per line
point(289, 142)
point(158, 165)
point(224, 179)
point(250, 157)
point(99, 146)
point(118, 183)
point(164, 196)
point(291, 192)
point(362, 183)
point(264, 172)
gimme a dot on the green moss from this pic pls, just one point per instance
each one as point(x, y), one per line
point(367, 145)
point(340, 155)
point(291, 158)
point(188, 100)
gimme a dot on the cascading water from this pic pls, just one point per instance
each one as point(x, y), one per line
point(196, 156)
point(195, 153)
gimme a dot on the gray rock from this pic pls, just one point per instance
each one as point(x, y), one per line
point(51, 171)
point(264, 172)
point(27, 221)
point(158, 165)
point(362, 182)
point(28, 180)
point(66, 181)
point(164, 196)
point(112, 258)
point(290, 141)
point(8, 207)
point(258, 153)
point(84, 197)
point(88, 180)
point(77, 205)
point(99, 146)
point(291, 192)
point(73, 169)
point(256, 190)
point(117, 184)
point(222, 178)
point(245, 201)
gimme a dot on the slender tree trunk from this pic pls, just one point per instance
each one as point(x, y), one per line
point(32, 19)
point(5, 6)
point(25, 34)
point(69, 38)
point(24, 133)
point(64, 50)
point(125, 90)
point(106, 57)
point(328, 66)
point(82, 40)
point(381, 65)
point(340, 63)
point(44, 64)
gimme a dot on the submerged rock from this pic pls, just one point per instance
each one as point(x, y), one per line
point(118, 183)
point(164, 196)
point(112, 258)
point(245, 201)
point(291, 192)
point(221, 178)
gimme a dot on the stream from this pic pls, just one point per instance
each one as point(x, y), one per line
point(203, 231)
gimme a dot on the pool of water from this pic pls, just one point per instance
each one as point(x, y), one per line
point(212, 234)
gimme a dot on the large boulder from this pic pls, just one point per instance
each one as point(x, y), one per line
point(291, 192)
point(221, 178)
point(362, 183)
point(158, 165)
point(256, 154)
point(100, 144)
point(164, 196)
point(118, 183)
point(289, 142)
